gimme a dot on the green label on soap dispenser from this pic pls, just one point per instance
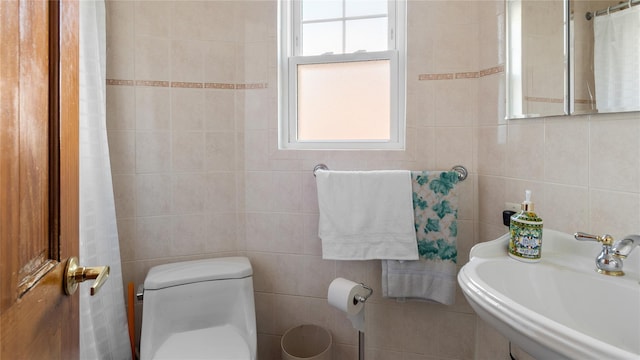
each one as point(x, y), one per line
point(525, 242)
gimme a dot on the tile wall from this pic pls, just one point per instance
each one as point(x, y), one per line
point(176, 145)
point(192, 122)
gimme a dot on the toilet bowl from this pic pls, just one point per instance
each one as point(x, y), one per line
point(201, 309)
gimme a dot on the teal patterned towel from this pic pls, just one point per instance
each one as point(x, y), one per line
point(433, 276)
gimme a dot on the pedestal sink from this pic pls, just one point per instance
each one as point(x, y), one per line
point(559, 308)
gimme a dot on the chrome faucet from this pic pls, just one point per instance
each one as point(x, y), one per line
point(608, 262)
point(623, 247)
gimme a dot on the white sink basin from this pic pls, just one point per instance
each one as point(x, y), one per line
point(559, 308)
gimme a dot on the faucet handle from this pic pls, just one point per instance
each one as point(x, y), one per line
point(623, 247)
point(605, 239)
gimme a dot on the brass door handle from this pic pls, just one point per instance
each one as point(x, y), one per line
point(75, 274)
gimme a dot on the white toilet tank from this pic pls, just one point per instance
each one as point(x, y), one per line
point(201, 309)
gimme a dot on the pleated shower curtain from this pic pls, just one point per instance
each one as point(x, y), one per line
point(617, 60)
point(103, 324)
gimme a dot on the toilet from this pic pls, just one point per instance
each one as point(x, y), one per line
point(201, 309)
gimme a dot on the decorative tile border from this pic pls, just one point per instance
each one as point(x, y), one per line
point(544, 100)
point(462, 75)
point(468, 75)
point(557, 100)
point(435, 77)
point(187, 85)
point(219, 86)
point(251, 86)
point(152, 83)
point(490, 71)
point(120, 82)
point(256, 86)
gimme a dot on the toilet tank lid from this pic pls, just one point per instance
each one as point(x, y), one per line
point(188, 272)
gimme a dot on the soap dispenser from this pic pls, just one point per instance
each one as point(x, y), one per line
point(525, 243)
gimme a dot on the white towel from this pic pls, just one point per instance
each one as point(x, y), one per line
point(366, 215)
point(433, 277)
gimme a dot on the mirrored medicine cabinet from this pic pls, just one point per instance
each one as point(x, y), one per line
point(572, 57)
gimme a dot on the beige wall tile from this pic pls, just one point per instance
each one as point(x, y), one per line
point(614, 213)
point(219, 110)
point(255, 103)
point(120, 22)
point(386, 326)
point(152, 108)
point(456, 102)
point(153, 18)
point(457, 44)
point(614, 161)
point(152, 58)
point(187, 61)
point(255, 62)
point(153, 194)
point(491, 199)
point(127, 239)
point(124, 192)
point(286, 191)
point(204, 20)
point(221, 192)
point(153, 237)
point(454, 145)
point(153, 151)
point(491, 100)
point(220, 151)
point(187, 150)
point(188, 192)
point(317, 275)
point(121, 108)
point(525, 150)
point(123, 152)
point(490, 343)
point(188, 234)
point(567, 208)
point(566, 151)
point(222, 232)
point(268, 346)
point(220, 62)
point(187, 109)
point(492, 150)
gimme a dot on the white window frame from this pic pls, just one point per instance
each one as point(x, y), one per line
point(288, 60)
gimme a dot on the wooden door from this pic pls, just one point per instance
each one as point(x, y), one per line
point(38, 177)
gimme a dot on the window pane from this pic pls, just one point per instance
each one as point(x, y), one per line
point(321, 38)
point(344, 101)
point(366, 7)
point(321, 9)
point(367, 34)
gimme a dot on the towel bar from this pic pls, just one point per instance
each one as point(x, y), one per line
point(461, 170)
point(319, 167)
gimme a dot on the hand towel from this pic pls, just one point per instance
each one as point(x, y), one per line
point(366, 215)
point(433, 276)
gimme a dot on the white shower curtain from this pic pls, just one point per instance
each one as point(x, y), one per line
point(103, 324)
point(617, 60)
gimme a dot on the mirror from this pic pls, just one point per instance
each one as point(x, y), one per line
point(605, 48)
point(572, 57)
point(536, 68)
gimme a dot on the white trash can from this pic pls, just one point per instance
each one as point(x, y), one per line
point(309, 342)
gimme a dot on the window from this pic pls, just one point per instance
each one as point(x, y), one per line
point(341, 74)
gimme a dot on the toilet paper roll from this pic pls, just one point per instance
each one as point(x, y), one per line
point(342, 293)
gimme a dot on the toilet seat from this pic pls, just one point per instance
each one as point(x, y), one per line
point(219, 342)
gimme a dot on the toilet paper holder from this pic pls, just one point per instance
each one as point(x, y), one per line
point(359, 298)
